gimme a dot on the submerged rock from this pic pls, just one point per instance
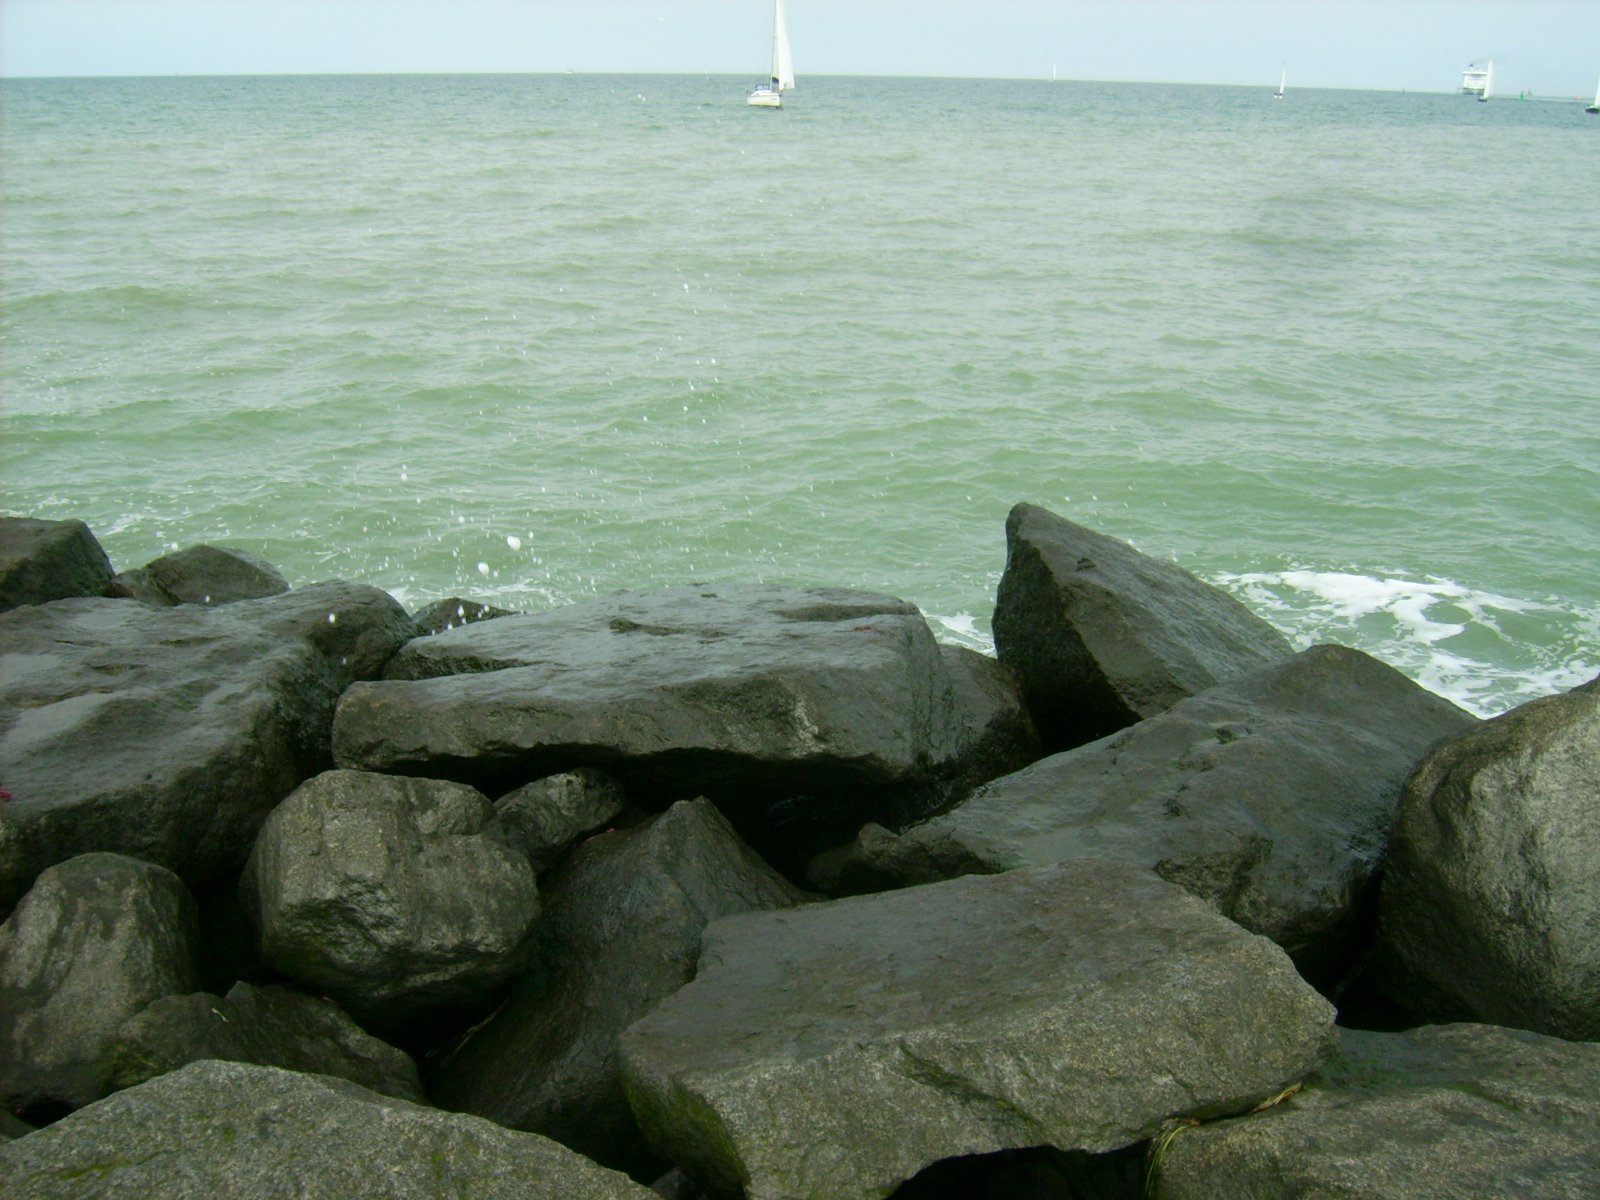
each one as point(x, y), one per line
point(836, 1049)
point(1439, 1113)
point(800, 713)
point(169, 734)
point(1491, 899)
point(201, 575)
point(231, 1131)
point(388, 895)
point(94, 941)
point(41, 561)
point(1271, 796)
point(1102, 636)
point(620, 932)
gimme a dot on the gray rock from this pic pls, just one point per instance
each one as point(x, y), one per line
point(620, 932)
point(835, 1049)
point(1102, 636)
point(97, 939)
point(201, 575)
point(801, 713)
point(1271, 796)
point(42, 561)
point(1435, 1114)
point(12, 1127)
point(169, 734)
point(1491, 899)
point(231, 1131)
point(446, 614)
point(269, 1026)
point(387, 895)
point(544, 818)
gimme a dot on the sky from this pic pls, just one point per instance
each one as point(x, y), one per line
point(1547, 47)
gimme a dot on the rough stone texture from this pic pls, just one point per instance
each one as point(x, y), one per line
point(97, 939)
point(387, 895)
point(620, 932)
point(453, 611)
point(169, 734)
point(801, 713)
point(1102, 636)
point(1271, 796)
point(1491, 900)
point(1440, 1113)
point(544, 818)
point(42, 561)
point(201, 575)
point(231, 1131)
point(269, 1026)
point(835, 1049)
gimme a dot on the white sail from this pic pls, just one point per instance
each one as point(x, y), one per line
point(1283, 78)
point(782, 64)
point(1595, 107)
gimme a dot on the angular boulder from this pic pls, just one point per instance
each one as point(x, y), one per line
point(169, 734)
point(1490, 907)
point(270, 1026)
point(544, 818)
point(1271, 796)
point(1101, 636)
point(800, 713)
point(232, 1131)
point(620, 933)
point(1438, 1113)
point(446, 614)
point(835, 1049)
point(41, 561)
point(387, 895)
point(94, 941)
point(201, 575)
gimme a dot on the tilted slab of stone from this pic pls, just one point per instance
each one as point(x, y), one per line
point(740, 694)
point(620, 932)
point(231, 1131)
point(269, 1026)
point(835, 1049)
point(1491, 898)
point(41, 561)
point(1101, 635)
point(201, 575)
point(388, 894)
point(1440, 1113)
point(1271, 796)
point(94, 941)
point(168, 734)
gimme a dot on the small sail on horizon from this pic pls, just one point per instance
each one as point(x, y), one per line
point(1595, 107)
point(1283, 78)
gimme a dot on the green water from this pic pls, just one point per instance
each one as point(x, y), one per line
point(526, 338)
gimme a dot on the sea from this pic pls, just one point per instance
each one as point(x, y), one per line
point(524, 339)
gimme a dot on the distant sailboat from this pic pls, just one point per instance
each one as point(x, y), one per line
point(1595, 107)
point(1283, 78)
point(1488, 83)
point(770, 95)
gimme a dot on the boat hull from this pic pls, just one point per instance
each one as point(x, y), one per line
point(764, 98)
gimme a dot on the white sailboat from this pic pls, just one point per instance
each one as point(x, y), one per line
point(1283, 78)
point(1488, 83)
point(1595, 107)
point(770, 95)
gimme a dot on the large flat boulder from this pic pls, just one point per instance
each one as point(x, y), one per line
point(1439, 1113)
point(801, 713)
point(232, 1131)
point(620, 933)
point(168, 734)
point(1271, 796)
point(835, 1049)
point(94, 941)
point(271, 1026)
point(41, 561)
point(390, 896)
point(1102, 636)
point(1490, 908)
